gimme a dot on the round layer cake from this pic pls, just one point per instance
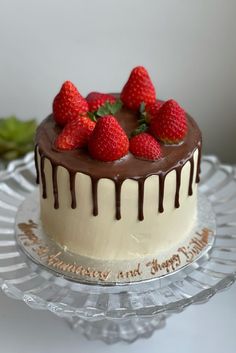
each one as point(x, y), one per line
point(125, 209)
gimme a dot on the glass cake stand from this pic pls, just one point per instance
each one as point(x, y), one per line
point(118, 313)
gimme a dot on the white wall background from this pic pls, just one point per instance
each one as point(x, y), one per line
point(188, 46)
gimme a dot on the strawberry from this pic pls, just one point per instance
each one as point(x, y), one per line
point(108, 141)
point(96, 100)
point(145, 146)
point(152, 110)
point(170, 123)
point(138, 89)
point(147, 113)
point(75, 134)
point(68, 104)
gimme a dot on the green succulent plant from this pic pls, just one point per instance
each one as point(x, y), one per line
point(16, 137)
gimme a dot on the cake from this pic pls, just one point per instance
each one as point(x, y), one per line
point(124, 194)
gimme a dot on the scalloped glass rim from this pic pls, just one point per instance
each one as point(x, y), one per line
point(21, 279)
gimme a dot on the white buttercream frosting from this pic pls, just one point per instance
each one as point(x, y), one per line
point(105, 237)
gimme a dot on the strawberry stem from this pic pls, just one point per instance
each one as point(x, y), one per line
point(141, 128)
point(142, 120)
point(143, 114)
point(142, 108)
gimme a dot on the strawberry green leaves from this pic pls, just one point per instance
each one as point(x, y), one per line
point(142, 114)
point(107, 108)
point(92, 116)
point(141, 128)
point(142, 121)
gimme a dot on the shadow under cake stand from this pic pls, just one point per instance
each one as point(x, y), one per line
point(124, 312)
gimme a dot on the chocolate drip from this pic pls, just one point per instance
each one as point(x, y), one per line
point(199, 164)
point(43, 179)
point(72, 190)
point(140, 199)
point(178, 183)
point(190, 186)
point(95, 195)
point(55, 185)
point(118, 185)
point(36, 164)
point(161, 193)
point(173, 159)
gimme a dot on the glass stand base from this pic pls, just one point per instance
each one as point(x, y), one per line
point(109, 331)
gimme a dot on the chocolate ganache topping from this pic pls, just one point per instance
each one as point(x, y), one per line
point(174, 157)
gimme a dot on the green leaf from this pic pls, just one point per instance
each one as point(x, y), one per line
point(92, 116)
point(6, 145)
point(13, 129)
point(115, 107)
point(10, 155)
point(16, 137)
point(143, 116)
point(102, 111)
point(142, 120)
point(139, 130)
point(109, 108)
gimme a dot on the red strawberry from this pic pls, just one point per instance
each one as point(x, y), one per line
point(144, 146)
point(68, 104)
point(108, 141)
point(96, 100)
point(170, 123)
point(75, 134)
point(138, 89)
point(152, 109)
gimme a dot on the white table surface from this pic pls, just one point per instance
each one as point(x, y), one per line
point(209, 327)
